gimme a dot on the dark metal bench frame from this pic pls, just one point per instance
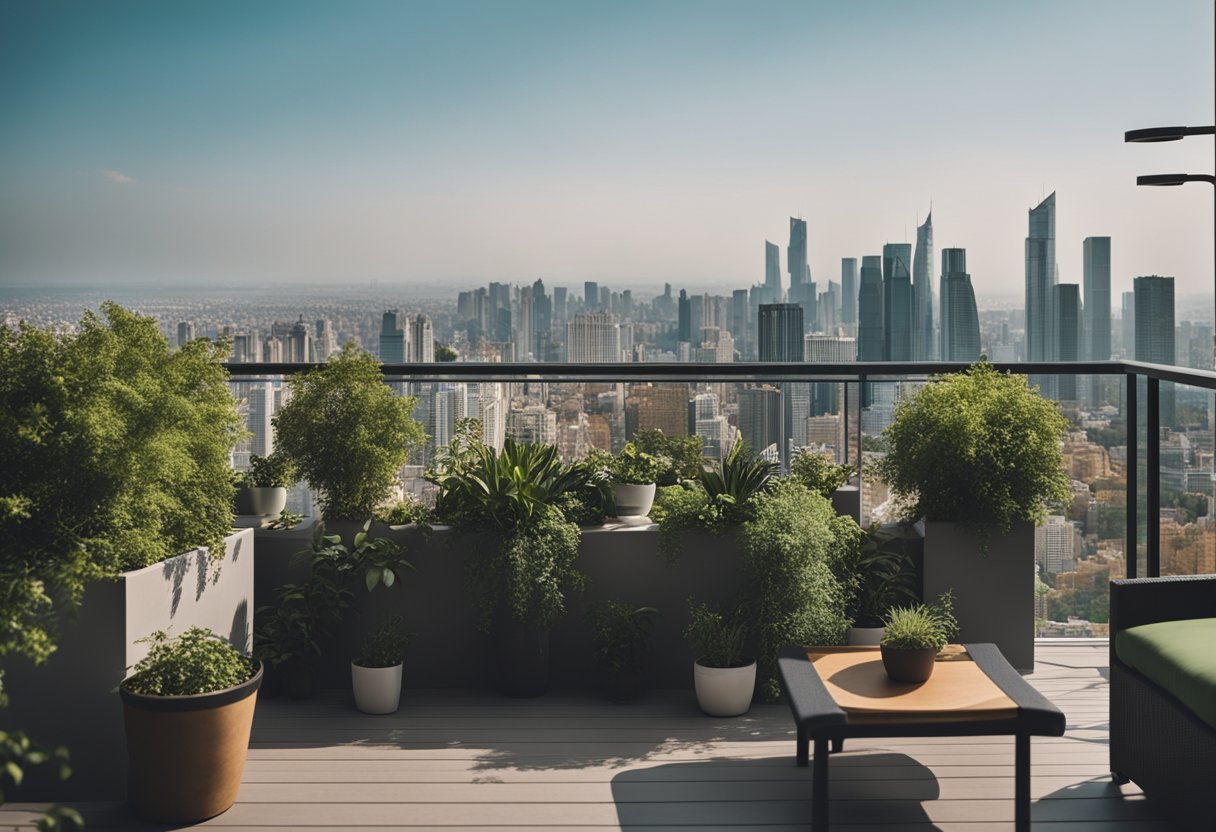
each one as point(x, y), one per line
point(820, 720)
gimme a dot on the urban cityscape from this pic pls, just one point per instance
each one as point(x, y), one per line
point(898, 305)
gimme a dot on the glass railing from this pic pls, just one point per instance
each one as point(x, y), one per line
point(1139, 435)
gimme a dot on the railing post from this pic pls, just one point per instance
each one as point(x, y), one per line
point(861, 457)
point(1131, 383)
point(1152, 553)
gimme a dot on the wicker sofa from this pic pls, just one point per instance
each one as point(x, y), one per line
point(1165, 745)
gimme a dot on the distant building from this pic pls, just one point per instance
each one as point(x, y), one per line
point(772, 268)
point(593, 338)
point(1066, 327)
point(1096, 303)
point(1040, 277)
point(924, 343)
point(897, 302)
point(591, 295)
point(870, 328)
point(663, 408)
point(1155, 331)
point(960, 325)
point(848, 290)
point(422, 340)
point(780, 329)
point(1056, 545)
point(392, 338)
point(760, 418)
point(1128, 325)
point(796, 262)
point(186, 332)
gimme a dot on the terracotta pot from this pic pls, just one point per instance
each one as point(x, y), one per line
point(909, 665)
point(187, 753)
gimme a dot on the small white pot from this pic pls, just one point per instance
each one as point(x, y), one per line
point(633, 500)
point(377, 689)
point(866, 636)
point(724, 691)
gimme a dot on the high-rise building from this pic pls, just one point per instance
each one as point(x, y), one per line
point(870, 326)
point(959, 319)
point(1040, 277)
point(796, 253)
point(591, 295)
point(684, 318)
point(1057, 544)
point(897, 302)
point(924, 345)
point(738, 323)
point(1155, 331)
point(392, 338)
point(780, 331)
point(325, 340)
point(542, 316)
point(186, 332)
point(761, 421)
point(533, 423)
point(1128, 325)
point(1096, 305)
point(662, 408)
point(422, 340)
point(772, 268)
point(848, 290)
point(559, 306)
point(1066, 331)
point(827, 349)
point(593, 338)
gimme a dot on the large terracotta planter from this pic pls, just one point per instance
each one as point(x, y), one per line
point(187, 753)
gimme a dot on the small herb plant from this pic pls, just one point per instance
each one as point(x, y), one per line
point(198, 661)
point(717, 638)
point(385, 645)
point(622, 632)
point(636, 467)
point(922, 626)
point(274, 471)
point(406, 512)
point(286, 520)
point(818, 473)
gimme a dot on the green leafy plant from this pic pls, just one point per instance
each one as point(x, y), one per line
point(197, 661)
point(636, 467)
point(978, 448)
point(718, 638)
point(19, 754)
point(922, 626)
point(348, 433)
point(286, 520)
point(731, 483)
point(818, 473)
point(406, 512)
point(684, 454)
point(274, 471)
point(622, 632)
point(792, 544)
point(883, 577)
point(385, 645)
point(381, 559)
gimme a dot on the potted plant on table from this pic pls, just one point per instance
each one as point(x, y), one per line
point(723, 677)
point(376, 672)
point(622, 633)
point(262, 490)
point(633, 473)
point(188, 710)
point(977, 456)
point(913, 637)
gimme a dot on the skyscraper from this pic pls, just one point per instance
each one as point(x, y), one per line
point(1155, 331)
point(848, 290)
point(796, 254)
point(186, 332)
point(1097, 298)
point(1067, 325)
point(738, 323)
point(422, 340)
point(1129, 324)
point(542, 316)
point(593, 338)
point(1040, 277)
point(780, 329)
point(760, 420)
point(772, 269)
point(684, 318)
point(923, 341)
point(392, 338)
point(591, 295)
point(870, 311)
point(960, 325)
point(897, 302)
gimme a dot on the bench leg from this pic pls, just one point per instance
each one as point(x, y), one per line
point(1021, 785)
point(801, 747)
point(819, 788)
point(838, 745)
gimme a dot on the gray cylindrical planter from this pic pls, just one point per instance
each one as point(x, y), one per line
point(633, 500)
point(993, 590)
point(724, 691)
point(377, 689)
point(266, 502)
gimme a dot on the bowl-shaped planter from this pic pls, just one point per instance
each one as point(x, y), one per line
point(914, 665)
point(267, 502)
point(187, 753)
point(866, 636)
point(633, 500)
point(377, 689)
point(724, 691)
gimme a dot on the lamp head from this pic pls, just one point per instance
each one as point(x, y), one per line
point(1162, 179)
point(1155, 134)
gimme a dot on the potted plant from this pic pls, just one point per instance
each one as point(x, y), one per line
point(622, 635)
point(262, 490)
point(347, 433)
point(883, 577)
point(977, 456)
point(375, 673)
point(723, 677)
point(633, 473)
point(914, 636)
point(187, 710)
point(523, 566)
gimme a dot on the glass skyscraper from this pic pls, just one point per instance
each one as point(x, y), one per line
point(897, 302)
point(796, 254)
point(960, 326)
point(923, 341)
point(870, 311)
point(1040, 277)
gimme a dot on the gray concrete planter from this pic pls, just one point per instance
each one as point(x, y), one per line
point(993, 590)
point(261, 502)
point(70, 700)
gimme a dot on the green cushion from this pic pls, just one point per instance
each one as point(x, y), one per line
point(1180, 656)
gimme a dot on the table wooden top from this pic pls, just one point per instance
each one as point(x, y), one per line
point(958, 690)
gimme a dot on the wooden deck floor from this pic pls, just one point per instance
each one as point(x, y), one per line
point(478, 762)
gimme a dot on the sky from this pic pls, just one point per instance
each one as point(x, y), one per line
point(217, 143)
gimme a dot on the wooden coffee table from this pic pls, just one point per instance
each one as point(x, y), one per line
point(841, 692)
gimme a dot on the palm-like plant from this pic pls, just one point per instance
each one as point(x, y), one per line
point(740, 476)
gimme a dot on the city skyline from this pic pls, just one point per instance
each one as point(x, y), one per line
point(311, 144)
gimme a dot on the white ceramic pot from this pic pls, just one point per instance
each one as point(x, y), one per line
point(865, 636)
point(724, 691)
point(633, 500)
point(377, 689)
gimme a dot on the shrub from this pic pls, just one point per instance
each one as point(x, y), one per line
point(881, 576)
point(636, 467)
point(922, 626)
point(818, 473)
point(622, 632)
point(684, 454)
point(385, 645)
point(197, 661)
point(274, 471)
point(717, 638)
point(348, 433)
point(979, 448)
point(406, 512)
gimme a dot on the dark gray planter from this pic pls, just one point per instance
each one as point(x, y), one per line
point(70, 700)
point(846, 501)
point(913, 666)
point(993, 590)
point(262, 502)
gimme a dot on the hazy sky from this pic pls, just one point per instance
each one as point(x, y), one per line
point(253, 142)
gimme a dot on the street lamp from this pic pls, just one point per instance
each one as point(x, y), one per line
point(1166, 134)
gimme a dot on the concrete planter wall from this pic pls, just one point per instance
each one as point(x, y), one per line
point(69, 700)
point(993, 590)
point(449, 651)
